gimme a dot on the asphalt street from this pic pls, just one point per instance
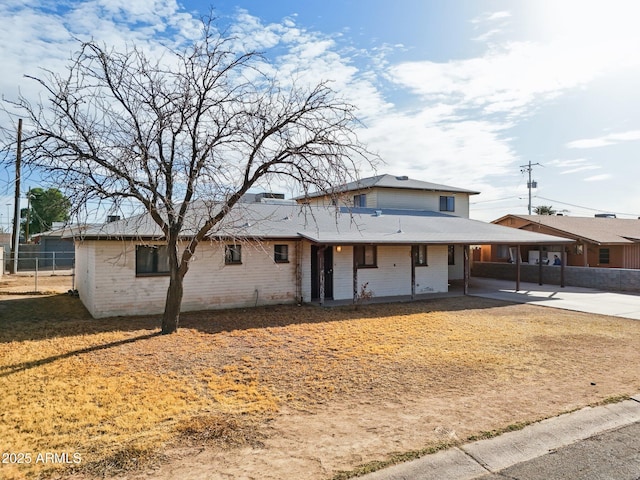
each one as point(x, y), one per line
point(614, 455)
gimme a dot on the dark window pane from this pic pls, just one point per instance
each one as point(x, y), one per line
point(365, 255)
point(233, 254)
point(281, 253)
point(447, 204)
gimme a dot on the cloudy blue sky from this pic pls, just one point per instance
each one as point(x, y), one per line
point(460, 92)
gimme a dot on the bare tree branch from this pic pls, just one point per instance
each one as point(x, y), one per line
point(199, 125)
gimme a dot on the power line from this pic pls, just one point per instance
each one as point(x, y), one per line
point(588, 208)
point(495, 200)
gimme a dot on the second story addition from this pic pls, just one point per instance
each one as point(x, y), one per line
point(392, 192)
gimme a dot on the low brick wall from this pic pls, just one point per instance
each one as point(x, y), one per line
point(612, 279)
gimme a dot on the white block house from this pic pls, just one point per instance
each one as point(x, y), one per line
point(283, 253)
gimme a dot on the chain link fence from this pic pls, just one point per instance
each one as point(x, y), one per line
point(42, 265)
point(41, 261)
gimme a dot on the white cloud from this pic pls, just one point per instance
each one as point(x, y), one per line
point(605, 140)
point(455, 127)
point(509, 80)
point(573, 166)
point(306, 57)
point(422, 146)
point(491, 17)
point(598, 178)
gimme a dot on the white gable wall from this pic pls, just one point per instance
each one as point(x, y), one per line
point(456, 271)
point(85, 273)
point(305, 266)
point(434, 277)
point(209, 284)
point(343, 273)
point(258, 280)
point(420, 200)
point(400, 199)
point(393, 274)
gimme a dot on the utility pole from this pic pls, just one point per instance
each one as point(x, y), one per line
point(531, 183)
point(16, 207)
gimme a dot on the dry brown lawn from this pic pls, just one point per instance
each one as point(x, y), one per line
point(288, 391)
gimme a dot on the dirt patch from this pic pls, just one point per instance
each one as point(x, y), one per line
point(293, 392)
point(43, 283)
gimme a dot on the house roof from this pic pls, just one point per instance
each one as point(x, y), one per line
point(392, 181)
point(341, 225)
point(63, 231)
point(599, 230)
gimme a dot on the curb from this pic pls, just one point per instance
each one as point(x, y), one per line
point(483, 457)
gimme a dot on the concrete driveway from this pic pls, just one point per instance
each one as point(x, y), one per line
point(624, 305)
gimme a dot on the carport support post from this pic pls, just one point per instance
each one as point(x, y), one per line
point(466, 268)
point(563, 262)
point(413, 274)
point(321, 274)
point(355, 277)
point(518, 268)
point(539, 264)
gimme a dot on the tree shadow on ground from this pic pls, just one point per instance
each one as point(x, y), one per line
point(7, 370)
point(52, 316)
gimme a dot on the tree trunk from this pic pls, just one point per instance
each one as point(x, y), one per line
point(171, 315)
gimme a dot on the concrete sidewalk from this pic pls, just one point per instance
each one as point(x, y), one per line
point(485, 457)
point(588, 300)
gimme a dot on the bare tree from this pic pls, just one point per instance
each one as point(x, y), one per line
point(201, 124)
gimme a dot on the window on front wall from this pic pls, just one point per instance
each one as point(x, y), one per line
point(451, 254)
point(365, 256)
point(281, 253)
point(447, 204)
point(603, 256)
point(419, 253)
point(233, 254)
point(360, 200)
point(152, 260)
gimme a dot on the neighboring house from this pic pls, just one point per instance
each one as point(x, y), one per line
point(598, 241)
point(265, 253)
point(54, 249)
